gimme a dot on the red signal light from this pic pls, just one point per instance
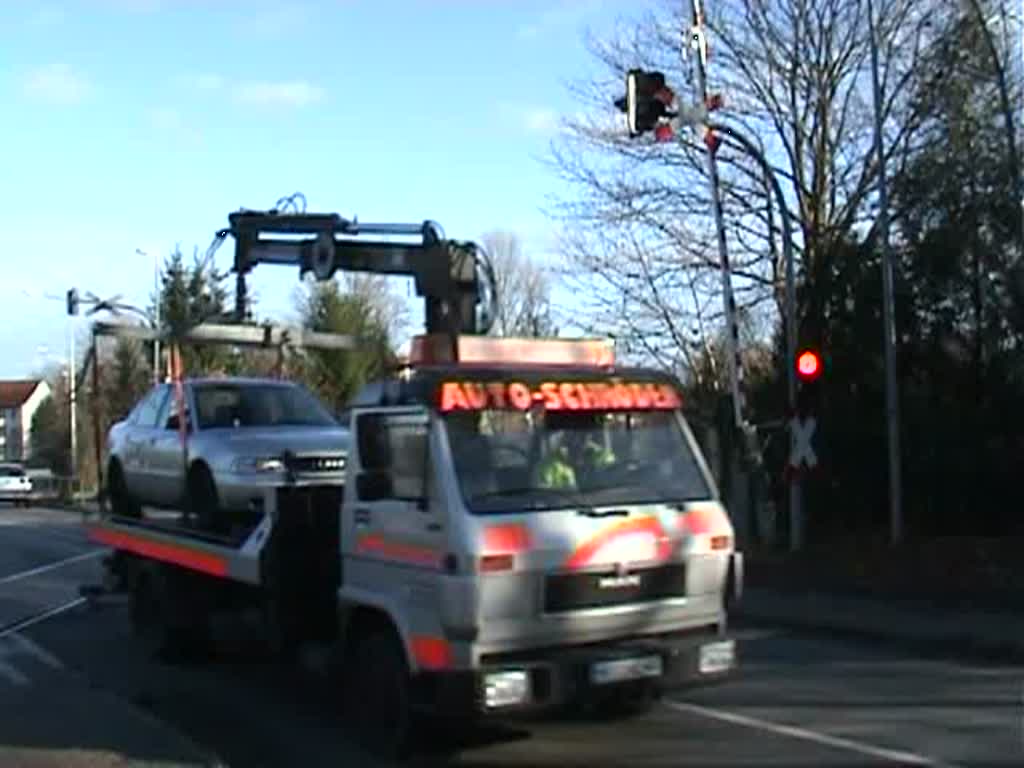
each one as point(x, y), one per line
point(808, 365)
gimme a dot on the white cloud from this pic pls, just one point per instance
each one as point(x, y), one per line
point(209, 82)
point(532, 118)
point(170, 124)
point(284, 19)
point(284, 93)
point(559, 16)
point(46, 16)
point(136, 6)
point(57, 84)
point(261, 93)
point(541, 120)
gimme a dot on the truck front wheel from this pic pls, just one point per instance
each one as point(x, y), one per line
point(376, 694)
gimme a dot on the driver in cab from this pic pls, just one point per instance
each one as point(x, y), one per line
point(575, 453)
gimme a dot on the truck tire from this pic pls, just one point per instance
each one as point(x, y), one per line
point(168, 629)
point(376, 694)
point(630, 701)
point(121, 502)
point(202, 499)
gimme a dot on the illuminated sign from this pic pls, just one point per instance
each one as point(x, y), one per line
point(612, 395)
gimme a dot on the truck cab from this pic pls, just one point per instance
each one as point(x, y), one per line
point(535, 526)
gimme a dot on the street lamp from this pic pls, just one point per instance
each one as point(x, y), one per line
point(888, 302)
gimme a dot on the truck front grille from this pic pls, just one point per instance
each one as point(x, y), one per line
point(308, 465)
point(600, 589)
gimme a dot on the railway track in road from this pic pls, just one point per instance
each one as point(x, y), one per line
point(44, 559)
point(13, 627)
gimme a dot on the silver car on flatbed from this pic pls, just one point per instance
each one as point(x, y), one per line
point(240, 437)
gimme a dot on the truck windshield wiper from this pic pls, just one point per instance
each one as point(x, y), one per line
point(591, 512)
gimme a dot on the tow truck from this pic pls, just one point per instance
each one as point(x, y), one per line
point(455, 578)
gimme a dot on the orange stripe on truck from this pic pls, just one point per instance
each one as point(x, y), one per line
point(704, 519)
point(586, 552)
point(431, 652)
point(506, 539)
point(158, 550)
point(395, 550)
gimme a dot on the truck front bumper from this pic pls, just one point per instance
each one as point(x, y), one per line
point(577, 677)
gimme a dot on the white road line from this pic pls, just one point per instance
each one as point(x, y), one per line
point(837, 742)
point(12, 675)
point(35, 650)
point(759, 634)
point(42, 617)
point(50, 566)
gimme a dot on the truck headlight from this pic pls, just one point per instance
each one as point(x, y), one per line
point(506, 689)
point(258, 464)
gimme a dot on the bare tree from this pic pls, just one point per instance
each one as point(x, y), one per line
point(524, 288)
point(639, 239)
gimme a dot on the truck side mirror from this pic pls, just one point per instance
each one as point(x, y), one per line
point(373, 486)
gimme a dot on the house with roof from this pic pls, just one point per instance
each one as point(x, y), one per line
point(19, 401)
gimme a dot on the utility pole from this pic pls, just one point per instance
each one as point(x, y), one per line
point(73, 401)
point(695, 38)
point(796, 526)
point(888, 304)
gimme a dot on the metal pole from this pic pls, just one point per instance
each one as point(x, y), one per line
point(696, 34)
point(156, 321)
point(73, 401)
point(888, 305)
point(796, 526)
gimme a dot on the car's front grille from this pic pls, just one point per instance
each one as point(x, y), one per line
point(317, 464)
point(600, 589)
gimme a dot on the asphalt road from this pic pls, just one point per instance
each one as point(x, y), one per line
point(74, 684)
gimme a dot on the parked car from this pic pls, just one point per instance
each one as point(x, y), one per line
point(15, 484)
point(243, 435)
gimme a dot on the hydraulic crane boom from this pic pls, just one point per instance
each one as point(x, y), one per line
point(447, 273)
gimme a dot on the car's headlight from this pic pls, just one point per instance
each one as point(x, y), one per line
point(258, 464)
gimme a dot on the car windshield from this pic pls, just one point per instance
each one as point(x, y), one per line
point(534, 460)
point(9, 471)
point(259, 405)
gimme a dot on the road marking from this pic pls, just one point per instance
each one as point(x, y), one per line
point(33, 620)
point(760, 634)
point(837, 742)
point(36, 651)
point(50, 566)
point(12, 675)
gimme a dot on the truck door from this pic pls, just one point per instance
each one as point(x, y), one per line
point(393, 537)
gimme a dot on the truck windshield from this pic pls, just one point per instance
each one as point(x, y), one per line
point(509, 461)
point(259, 405)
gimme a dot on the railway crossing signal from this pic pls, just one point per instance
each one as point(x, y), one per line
point(801, 451)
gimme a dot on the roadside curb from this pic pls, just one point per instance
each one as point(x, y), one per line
point(985, 637)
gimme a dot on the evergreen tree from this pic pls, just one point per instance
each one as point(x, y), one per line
point(337, 375)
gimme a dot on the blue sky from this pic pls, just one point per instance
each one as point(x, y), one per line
point(142, 123)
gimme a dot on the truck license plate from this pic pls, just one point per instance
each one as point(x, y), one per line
point(717, 657)
point(605, 672)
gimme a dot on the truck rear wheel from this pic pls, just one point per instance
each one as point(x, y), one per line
point(376, 694)
point(162, 622)
point(121, 502)
point(202, 500)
